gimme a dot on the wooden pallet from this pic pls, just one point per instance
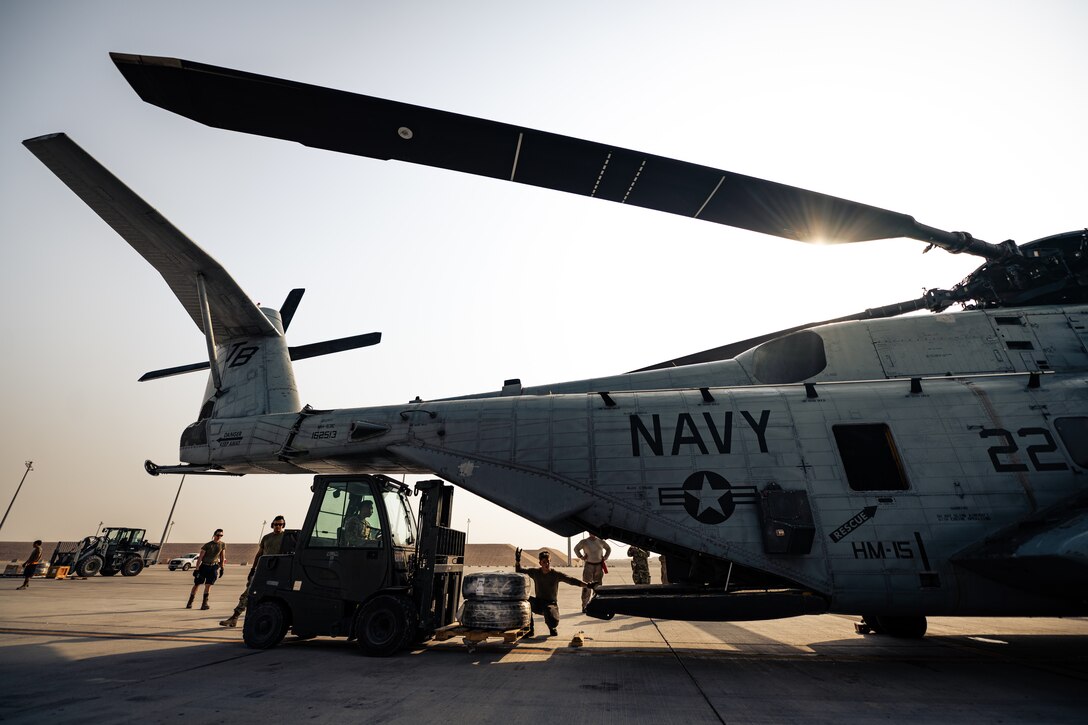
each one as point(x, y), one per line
point(473, 637)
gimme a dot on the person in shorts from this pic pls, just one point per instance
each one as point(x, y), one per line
point(31, 564)
point(209, 567)
point(594, 551)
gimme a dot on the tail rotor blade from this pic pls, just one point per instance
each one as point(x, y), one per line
point(330, 346)
point(287, 310)
point(297, 353)
point(179, 370)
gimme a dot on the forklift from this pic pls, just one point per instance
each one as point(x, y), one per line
point(363, 568)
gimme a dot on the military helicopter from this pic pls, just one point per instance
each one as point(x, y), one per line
point(895, 468)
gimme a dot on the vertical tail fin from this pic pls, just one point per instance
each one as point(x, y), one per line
point(256, 376)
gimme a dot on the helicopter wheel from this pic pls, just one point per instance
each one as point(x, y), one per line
point(904, 627)
point(901, 627)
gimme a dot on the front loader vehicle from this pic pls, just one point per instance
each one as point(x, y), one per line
point(365, 568)
point(115, 549)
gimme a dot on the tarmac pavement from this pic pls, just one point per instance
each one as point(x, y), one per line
point(109, 650)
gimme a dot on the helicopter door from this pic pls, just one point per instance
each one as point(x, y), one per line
point(343, 552)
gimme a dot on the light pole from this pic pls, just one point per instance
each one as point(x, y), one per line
point(169, 521)
point(468, 525)
point(29, 468)
point(261, 532)
point(169, 530)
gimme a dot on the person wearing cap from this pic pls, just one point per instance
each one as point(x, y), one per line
point(594, 552)
point(546, 585)
point(270, 544)
point(31, 563)
point(209, 567)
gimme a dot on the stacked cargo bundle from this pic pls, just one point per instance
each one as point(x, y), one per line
point(496, 600)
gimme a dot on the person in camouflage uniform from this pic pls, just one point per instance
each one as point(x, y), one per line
point(357, 528)
point(546, 585)
point(640, 565)
point(270, 544)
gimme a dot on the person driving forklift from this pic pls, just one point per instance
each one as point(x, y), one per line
point(357, 528)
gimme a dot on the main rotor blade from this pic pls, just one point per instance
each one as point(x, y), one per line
point(730, 351)
point(176, 257)
point(384, 129)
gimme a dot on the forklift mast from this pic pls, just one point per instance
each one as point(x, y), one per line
point(440, 556)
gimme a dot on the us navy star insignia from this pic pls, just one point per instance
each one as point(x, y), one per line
point(707, 497)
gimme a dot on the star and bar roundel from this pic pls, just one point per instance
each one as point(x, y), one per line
point(707, 497)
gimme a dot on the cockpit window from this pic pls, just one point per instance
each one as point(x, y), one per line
point(789, 359)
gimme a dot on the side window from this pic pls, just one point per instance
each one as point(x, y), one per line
point(1074, 434)
point(401, 525)
point(870, 458)
point(348, 518)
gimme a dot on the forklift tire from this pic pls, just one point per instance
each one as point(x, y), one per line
point(265, 626)
point(384, 625)
point(90, 566)
point(108, 572)
point(132, 566)
point(496, 586)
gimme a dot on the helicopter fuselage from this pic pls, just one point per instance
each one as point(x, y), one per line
point(888, 478)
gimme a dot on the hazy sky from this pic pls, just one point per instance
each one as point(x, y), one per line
point(967, 115)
